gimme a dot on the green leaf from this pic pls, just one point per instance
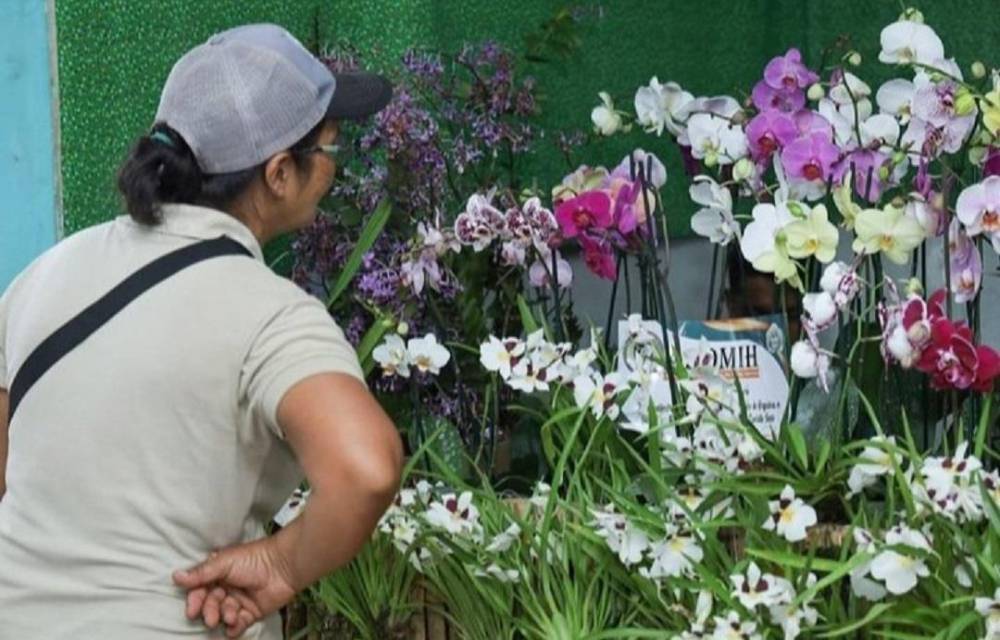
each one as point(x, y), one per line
point(795, 561)
point(368, 236)
point(872, 614)
point(368, 343)
point(833, 577)
point(797, 442)
point(983, 428)
point(527, 318)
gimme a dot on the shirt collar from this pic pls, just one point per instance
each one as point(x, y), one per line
point(202, 223)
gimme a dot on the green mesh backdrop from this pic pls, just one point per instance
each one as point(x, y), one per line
point(114, 56)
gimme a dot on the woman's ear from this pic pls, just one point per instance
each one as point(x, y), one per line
point(277, 173)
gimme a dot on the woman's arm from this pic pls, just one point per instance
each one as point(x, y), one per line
point(352, 456)
point(3, 442)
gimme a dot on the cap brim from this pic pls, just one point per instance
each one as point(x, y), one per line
point(358, 94)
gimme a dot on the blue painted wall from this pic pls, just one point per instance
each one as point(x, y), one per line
point(29, 203)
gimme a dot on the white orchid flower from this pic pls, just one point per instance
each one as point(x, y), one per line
point(504, 540)
point(895, 98)
point(715, 219)
point(673, 556)
point(790, 516)
point(989, 609)
point(427, 355)
point(715, 140)
point(455, 514)
point(500, 355)
point(607, 121)
point(906, 42)
point(658, 106)
point(598, 393)
point(756, 589)
point(901, 572)
point(874, 463)
point(496, 572)
point(393, 356)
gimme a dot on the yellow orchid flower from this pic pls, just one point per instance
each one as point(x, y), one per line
point(889, 231)
point(813, 236)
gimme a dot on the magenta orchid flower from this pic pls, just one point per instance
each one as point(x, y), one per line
point(768, 132)
point(599, 256)
point(767, 98)
point(590, 209)
point(810, 158)
point(787, 72)
point(966, 264)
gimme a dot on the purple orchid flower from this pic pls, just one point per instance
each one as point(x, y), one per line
point(810, 157)
point(966, 264)
point(864, 163)
point(768, 132)
point(787, 71)
point(765, 98)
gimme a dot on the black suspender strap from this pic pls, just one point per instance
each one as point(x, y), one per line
point(88, 321)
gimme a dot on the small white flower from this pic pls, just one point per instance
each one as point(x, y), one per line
point(503, 541)
point(673, 556)
point(731, 627)
point(499, 355)
point(494, 571)
point(606, 120)
point(598, 393)
point(426, 355)
point(792, 620)
point(942, 473)
point(393, 357)
point(760, 589)
point(621, 536)
point(989, 609)
point(454, 514)
point(790, 516)
point(525, 376)
point(901, 572)
point(874, 462)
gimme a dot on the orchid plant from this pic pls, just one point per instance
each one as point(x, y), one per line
point(664, 510)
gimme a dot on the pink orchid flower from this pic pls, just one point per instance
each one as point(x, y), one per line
point(590, 209)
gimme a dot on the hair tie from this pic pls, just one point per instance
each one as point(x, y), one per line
point(162, 138)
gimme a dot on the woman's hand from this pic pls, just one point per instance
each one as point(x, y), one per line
point(237, 586)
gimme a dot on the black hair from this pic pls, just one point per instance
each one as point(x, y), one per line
point(158, 172)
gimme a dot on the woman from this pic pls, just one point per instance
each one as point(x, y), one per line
point(144, 462)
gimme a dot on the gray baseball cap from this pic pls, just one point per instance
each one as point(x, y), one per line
point(250, 92)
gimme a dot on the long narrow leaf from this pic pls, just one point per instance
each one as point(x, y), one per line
point(368, 237)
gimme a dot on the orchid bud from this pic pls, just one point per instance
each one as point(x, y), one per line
point(914, 287)
point(804, 360)
point(711, 159)
point(898, 202)
point(883, 172)
point(898, 157)
point(403, 328)
point(796, 209)
point(853, 58)
point(977, 155)
point(912, 15)
point(965, 102)
point(815, 92)
point(978, 70)
point(743, 169)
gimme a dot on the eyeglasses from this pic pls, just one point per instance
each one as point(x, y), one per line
point(338, 152)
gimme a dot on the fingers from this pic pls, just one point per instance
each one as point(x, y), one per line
point(211, 610)
point(204, 574)
point(229, 610)
point(195, 601)
point(243, 622)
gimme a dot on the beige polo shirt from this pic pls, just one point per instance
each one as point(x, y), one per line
point(155, 441)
